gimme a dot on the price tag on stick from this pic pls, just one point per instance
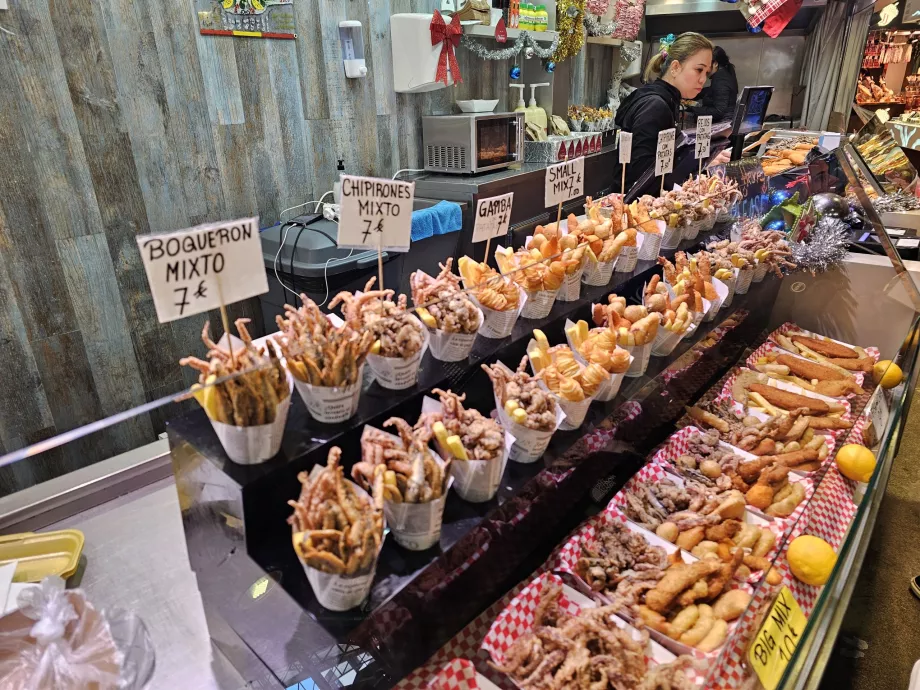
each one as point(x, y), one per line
point(664, 154)
point(703, 137)
point(202, 268)
point(564, 181)
point(775, 643)
point(493, 217)
point(375, 214)
point(625, 147)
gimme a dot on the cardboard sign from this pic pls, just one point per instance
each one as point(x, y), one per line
point(703, 136)
point(625, 147)
point(493, 216)
point(879, 413)
point(564, 181)
point(664, 153)
point(194, 270)
point(775, 643)
point(376, 213)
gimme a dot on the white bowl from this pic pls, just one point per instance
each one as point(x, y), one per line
point(478, 106)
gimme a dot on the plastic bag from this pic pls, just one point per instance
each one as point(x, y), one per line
point(58, 641)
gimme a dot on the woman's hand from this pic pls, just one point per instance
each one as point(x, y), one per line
point(724, 156)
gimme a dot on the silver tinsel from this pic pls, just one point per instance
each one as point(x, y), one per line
point(595, 27)
point(824, 248)
point(524, 40)
point(629, 52)
point(898, 201)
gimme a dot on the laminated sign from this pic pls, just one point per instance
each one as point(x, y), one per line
point(564, 181)
point(664, 155)
point(198, 269)
point(703, 136)
point(625, 144)
point(493, 216)
point(375, 213)
point(775, 643)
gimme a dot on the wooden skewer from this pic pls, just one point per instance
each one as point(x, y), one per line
point(380, 260)
point(226, 321)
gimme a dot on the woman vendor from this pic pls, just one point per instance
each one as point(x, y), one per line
point(678, 71)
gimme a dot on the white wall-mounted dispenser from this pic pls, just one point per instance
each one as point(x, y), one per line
point(352, 48)
point(415, 60)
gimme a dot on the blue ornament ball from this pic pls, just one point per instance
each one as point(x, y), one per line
point(515, 72)
point(550, 66)
point(777, 224)
point(778, 196)
point(755, 29)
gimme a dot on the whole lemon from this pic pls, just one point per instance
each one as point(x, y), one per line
point(811, 559)
point(856, 462)
point(887, 374)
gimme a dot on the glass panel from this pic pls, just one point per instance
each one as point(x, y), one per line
point(496, 140)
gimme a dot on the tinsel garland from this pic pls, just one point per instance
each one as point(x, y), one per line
point(629, 52)
point(896, 202)
point(524, 40)
point(596, 28)
point(824, 247)
point(570, 23)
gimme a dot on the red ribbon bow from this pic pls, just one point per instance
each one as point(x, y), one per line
point(448, 35)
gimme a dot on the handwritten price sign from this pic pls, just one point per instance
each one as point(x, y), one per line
point(493, 216)
point(775, 643)
point(564, 181)
point(625, 145)
point(376, 213)
point(664, 154)
point(194, 270)
point(703, 136)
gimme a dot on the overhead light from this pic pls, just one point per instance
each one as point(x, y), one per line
point(888, 14)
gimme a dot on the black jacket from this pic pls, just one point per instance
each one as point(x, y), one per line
point(720, 97)
point(645, 112)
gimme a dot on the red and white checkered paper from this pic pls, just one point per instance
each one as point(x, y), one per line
point(769, 347)
point(764, 11)
point(460, 674)
point(873, 352)
point(786, 386)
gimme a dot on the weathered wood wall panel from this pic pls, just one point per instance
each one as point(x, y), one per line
point(118, 118)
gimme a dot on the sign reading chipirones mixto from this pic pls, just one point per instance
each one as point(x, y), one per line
point(493, 216)
point(664, 154)
point(375, 213)
point(775, 643)
point(625, 147)
point(703, 136)
point(198, 269)
point(564, 181)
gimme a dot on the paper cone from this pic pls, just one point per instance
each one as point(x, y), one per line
point(453, 347)
point(500, 324)
point(571, 286)
point(417, 526)
point(251, 445)
point(598, 273)
point(574, 411)
point(721, 294)
point(730, 284)
point(331, 404)
point(539, 304)
point(760, 271)
point(743, 278)
point(671, 238)
point(609, 389)
point(627, 260)
point(692, 231)
point(641, 354)
point(399, 373)
point(651, 244)
point(665, 342)
point(529, 444)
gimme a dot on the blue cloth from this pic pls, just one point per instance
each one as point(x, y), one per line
point(441, 219)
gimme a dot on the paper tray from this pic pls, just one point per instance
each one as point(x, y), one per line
point(41, 555)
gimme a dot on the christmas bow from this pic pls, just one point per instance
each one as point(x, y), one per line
point(448, 35)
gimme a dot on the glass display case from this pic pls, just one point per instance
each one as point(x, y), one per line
point(473, 593)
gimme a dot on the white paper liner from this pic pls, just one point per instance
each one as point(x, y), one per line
point(627, 260)
point(500, 324)
point(399, 373)
point(708, 222)
point(651, 244)
point(760, 271)
point(574, 411)
point(665, 341)
point(475, 481)
point(692, 231)
point(641, 355)
point(251, 445)
point(730, 284)
point(743, 279)
point(724, 215)
point(598, 273)
point(671, 237)
point(734, 233)
point(453, 347)
point(331, 404)
point(571, 285)
point(721, 293)
point(342, 592)
point(529, 444)
point(607, 391)
point(539, 304)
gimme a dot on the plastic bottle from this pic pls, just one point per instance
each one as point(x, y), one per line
point(535, 113)
point(533, 17)
point(544, 18)
point(528, 16)
point(521, 106)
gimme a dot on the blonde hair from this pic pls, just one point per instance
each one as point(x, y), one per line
point(682, 49)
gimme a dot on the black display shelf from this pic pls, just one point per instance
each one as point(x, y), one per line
point(235, 516)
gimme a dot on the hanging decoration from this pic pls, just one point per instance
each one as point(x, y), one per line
point(629, 15)
point(597, 7)
point(523, 40)
point(448, 35)
point(549, 66)
point(246, 18)
point(825, 247)
point(501, 31)
point(570, 23)
point(596, 27)
point(515, 73)
point(629, 53)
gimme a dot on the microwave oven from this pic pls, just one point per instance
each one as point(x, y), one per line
point(472, 142)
